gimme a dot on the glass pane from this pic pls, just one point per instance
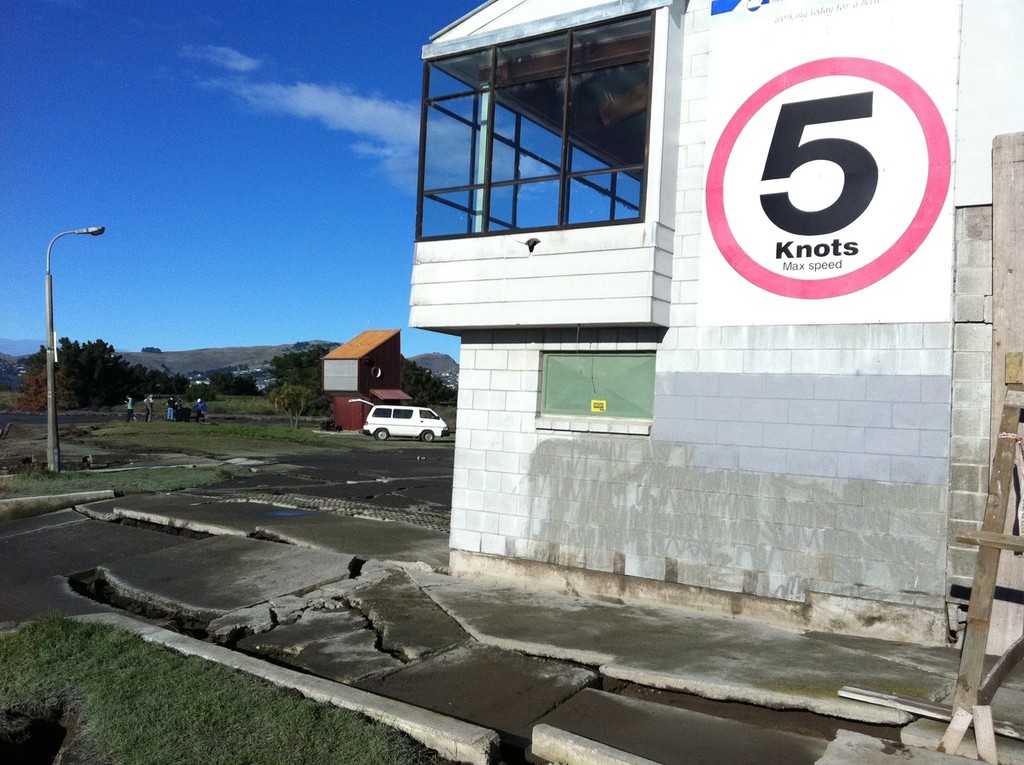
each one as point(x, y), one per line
point(523, 149)
point(543, 103)
point(532, 60)
point(453, 142)
point(459, 74)
point(590, 199)
point(608, 113)
point(599, 384)
point(581, 162)
point(449, 214)
point(612, 43)
point(603, 197)
point(525, 205)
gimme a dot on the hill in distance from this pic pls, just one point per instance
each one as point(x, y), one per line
point(235, 359)
point(254, 358)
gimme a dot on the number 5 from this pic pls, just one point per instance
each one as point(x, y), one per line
point(786, 154)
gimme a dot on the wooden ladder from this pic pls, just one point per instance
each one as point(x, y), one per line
point(973, 693)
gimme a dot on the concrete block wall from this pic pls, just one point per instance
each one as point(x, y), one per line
point(678, 507)
point(784, 462)
point(970, 442)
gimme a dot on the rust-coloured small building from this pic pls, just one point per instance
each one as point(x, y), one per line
point(366, 370)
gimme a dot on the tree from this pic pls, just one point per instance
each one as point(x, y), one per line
point(424, 386)
point(230, 384)
point(292, 398)
point(301, 369)
point(91, 374)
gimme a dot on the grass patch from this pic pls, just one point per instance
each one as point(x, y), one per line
point(215, 439)
point(145, 705)
point(37, 483)
point(242, 405)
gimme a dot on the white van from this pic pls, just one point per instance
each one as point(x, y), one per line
point(414, 421)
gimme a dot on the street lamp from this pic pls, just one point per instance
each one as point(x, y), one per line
point(52, 444)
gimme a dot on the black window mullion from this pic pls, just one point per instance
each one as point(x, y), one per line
point(563, 171)
point(421, 173)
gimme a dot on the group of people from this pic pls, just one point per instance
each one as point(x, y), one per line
point(198, 410)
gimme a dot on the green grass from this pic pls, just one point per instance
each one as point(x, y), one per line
point(39, 483)
point(145, 705)
point(215, 439)
point(225, 405)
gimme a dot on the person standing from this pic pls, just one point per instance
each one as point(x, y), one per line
point(200, 410)
point(148, 401)
point(129, 414)
point(172, 404)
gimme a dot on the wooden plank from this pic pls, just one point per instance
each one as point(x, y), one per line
point(991, 539)
point(915, 706)
point(956, 731)
point(1003, 666)
point(979, 610)
point(984, 734)
point(923, 708)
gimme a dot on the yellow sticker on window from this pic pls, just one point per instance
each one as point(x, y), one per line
point(598, 406)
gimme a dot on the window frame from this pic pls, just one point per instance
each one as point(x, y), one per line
point(560, 418)
point(479, 196)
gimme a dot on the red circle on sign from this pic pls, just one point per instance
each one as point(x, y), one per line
point(939, 168)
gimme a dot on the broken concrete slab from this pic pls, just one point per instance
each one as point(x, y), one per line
point(410, 624)
point(674, 736)
point(28, 507)
point(851, 748)
point(258, 618)
point(37, 556)
point(316, 529)
point(927, 734)
point(209, 516)
point(207, 578)
point(710, 656)
point(553, 745)
point(502, 690)
point(338, 645)
point(106, 510)
point(365, 537)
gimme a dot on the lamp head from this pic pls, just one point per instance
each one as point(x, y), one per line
point(92, 230)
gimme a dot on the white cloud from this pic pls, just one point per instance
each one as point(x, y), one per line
point(225, 58)
point(382, 128)
point(386, 129)
point(393, 124)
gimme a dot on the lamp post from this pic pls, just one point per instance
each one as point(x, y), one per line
point(52, 444)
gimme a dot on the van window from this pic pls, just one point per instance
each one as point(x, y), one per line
point(384, 413)
point(426, 414)
point(403, 414)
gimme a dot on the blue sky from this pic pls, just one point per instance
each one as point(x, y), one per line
point(254, 163)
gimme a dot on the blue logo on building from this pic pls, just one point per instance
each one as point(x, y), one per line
point(724, 6)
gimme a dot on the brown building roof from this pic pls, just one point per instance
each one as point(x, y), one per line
point(362, 344)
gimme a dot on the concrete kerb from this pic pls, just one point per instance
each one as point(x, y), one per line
point(162, 519)
point(559, 746)
point(453, 739)
point(29, 507)
point(762, 697)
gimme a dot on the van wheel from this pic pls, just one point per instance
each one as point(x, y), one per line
point(427, 435)
point(381, 434)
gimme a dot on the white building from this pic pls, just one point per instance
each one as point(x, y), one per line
point(722, 273)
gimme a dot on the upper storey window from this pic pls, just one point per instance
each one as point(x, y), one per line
point(549, 132)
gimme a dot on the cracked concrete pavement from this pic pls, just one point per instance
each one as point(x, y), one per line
point(361, 604)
